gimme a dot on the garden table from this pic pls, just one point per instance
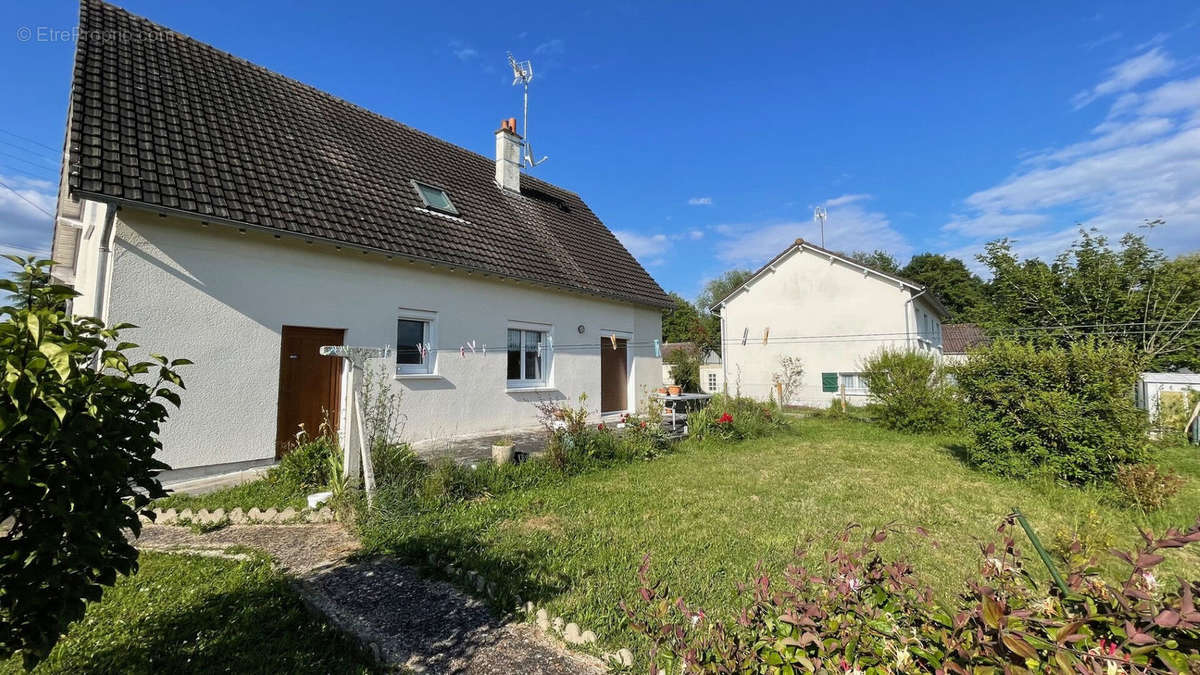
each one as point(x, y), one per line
point(672, 403)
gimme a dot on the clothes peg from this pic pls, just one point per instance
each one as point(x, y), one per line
point(471, 346)
point(657, 349)
point(613, 339)
point(766, 332)
point(462, 351)
point(745, 335)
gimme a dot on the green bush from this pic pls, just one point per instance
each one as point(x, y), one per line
point(79, 424)
point(734, 418)
point(306, 465)
point(395, 462)
point(909, 391)
point(1146, 486)
point(1067, 411)
point(685, 367)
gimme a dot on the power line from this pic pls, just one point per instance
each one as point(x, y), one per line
point(29, 140)
point(26, 199)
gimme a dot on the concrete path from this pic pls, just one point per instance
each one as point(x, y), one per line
point(414, 622)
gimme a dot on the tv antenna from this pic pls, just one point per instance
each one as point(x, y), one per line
point(819, 216)
point(523, 74)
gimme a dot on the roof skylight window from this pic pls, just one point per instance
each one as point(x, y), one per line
point(435, 198)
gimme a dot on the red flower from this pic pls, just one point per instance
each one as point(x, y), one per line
point(725, 419)
point(643, 425)
point(600, 426)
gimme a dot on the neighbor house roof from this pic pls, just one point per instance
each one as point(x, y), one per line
point(957, 338)
point(802, 245)
point(163, 122)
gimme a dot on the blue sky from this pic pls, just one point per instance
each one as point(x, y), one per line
point(704, 134)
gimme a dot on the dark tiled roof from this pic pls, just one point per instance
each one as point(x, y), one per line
point(669, 347)
point(162, 121)
point(957, 338)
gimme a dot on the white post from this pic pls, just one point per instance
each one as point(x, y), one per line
point(350, 458)
point(364, 444)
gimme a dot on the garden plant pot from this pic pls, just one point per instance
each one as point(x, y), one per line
point(502, 454)
point(674, 390)
point(662, 390)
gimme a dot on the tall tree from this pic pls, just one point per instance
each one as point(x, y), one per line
point(679, 323)
point(716, 289)
point(708, 333)
point(879, 259)
point(1132, 295)
point(949, 279)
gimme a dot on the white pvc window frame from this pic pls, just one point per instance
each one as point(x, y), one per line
point(428, 365)
point(545, 353)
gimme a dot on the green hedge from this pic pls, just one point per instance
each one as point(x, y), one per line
point(1068, 411)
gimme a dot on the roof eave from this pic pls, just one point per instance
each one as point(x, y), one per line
point(441, 264)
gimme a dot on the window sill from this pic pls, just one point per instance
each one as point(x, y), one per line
point(535, 388)
point(418, 376)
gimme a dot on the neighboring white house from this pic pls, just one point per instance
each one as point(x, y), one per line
point(828, 310)
point(242, 220)
point(711, 378)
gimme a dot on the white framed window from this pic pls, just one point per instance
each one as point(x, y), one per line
point(712, 381)
point(416, 342)
point(854, 383)
point(529, 355)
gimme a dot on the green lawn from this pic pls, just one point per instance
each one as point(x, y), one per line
point(193, 614)
point(706, 514)
point(263, 493)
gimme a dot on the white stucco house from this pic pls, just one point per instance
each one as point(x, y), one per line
point(830, 311)
point(242, 220)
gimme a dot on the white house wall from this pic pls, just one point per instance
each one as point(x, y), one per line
point(220, 298)
point(829, 314)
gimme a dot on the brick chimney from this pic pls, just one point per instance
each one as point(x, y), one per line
point(508, 155)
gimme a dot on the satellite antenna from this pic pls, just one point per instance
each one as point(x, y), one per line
point(523, 74)
point(819, 216)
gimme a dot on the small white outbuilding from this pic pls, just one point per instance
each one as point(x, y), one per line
point(1169, 398)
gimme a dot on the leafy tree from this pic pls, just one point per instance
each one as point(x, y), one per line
point(685, 367)
point(717, 289)
point(1132, 295)
point(879, 259)
point(909, 390)
point(708, 331)
point(79, 428)
point(679, 323)
point(949, 279)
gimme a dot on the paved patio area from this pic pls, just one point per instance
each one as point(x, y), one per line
point(468, 450)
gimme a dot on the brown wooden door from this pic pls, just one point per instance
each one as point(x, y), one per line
point(614, 378)
point(309, 384)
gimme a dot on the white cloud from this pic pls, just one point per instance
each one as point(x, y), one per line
point(462, 51)
point(553, 47)
point(1143, 162)
point(25, 229)
point(695, 234)
point(848, 228)
point(845, 199)
point(643, 246)
point(1127, 75)
point(1111, 37)
point(700, 201)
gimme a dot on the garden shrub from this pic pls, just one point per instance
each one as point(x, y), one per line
point(685, 367)
point(850, 610)
point(909, 391)
point(1146, 486)
point(395, 462)
point(1068, 411)
point(734, 418)
point(79, 424)
point(306, 465)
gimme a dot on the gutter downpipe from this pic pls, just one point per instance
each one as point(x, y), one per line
point(907, 331)
point(103, 278)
